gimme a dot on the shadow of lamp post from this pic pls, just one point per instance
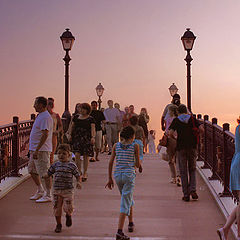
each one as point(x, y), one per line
point(99, 90)
point(188, 39)
point(67, 41)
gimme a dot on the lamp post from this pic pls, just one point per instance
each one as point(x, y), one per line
point(99, 90)
point(173, 89)
point(67, 41)
point(188, 39)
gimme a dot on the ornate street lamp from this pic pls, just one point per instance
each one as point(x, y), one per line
point(188, 39)
point(67, 41)
point(99, 91)
point(173, 89)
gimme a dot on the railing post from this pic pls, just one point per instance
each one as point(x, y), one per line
point(206, 117)
point(226, 192)
point(15, 148)
point(33, 116)
point(214, 152)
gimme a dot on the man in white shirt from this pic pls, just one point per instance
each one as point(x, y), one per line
point(40, 147)
point(112, 116)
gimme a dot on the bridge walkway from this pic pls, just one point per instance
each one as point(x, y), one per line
point(160, 214)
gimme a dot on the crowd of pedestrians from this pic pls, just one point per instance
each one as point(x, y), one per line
point(181, 134)
point(126, 136)
point(126, 140)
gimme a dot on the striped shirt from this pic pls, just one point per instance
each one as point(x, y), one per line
point(63, 174)
point(125, 158)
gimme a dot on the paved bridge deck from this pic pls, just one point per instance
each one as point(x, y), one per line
point(160, 214)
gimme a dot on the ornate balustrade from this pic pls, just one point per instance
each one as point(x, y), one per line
point(216, 149)
point(14, 143)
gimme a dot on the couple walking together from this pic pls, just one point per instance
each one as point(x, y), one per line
point(181, 146)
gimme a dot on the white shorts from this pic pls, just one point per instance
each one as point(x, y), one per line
point(98, 140)
point(40, 165)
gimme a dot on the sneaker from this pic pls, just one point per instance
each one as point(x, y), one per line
point(131, 227)
point(58, 228)
point(92, 160)
point(173, 180)
point(122, 237)
point(179, 183)
point(109, 153)
point(186, 198)
point(220, 233)
point(194, 195)
point(44, 199)
point(36, 196)
point(68, 220)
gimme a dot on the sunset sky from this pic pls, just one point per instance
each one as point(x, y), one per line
point(132, 47)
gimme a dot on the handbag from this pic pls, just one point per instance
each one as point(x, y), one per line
point(195, 130)
point(164, 140)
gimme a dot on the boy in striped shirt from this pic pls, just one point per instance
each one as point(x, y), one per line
point(63, 171)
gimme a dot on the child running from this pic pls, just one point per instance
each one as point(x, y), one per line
point(127, 158)
point(63, 171)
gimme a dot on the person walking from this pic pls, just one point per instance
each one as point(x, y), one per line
point(68, 133)
point(143, 120)
point(57, 127)
point(120, 119)
point(139, 135)
point(175, 100)
point(126, 117)
point(171, 146)
point(63, 171)
point(131, 111)
point(112, 118)
point(151, 142)
point(104, 136)
point(186, 150)
point(83, 136)
point(99, 121)
point(40, 147)
point(234, 186)
point(127, 158)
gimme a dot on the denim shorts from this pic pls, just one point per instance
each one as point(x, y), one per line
point(125, 183)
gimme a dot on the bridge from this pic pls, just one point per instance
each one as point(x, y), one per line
point(159, 211)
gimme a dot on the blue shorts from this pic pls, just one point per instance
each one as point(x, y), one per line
point(125, 183)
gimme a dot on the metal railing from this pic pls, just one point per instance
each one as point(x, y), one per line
point(216, 149)
point(14, 144)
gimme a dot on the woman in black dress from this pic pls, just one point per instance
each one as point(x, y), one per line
point(83, 137)
point(143, 121)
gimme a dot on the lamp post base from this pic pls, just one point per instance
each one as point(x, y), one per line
point(66, 115)
point(66, 118)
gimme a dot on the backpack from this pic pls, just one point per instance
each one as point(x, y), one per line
point(195, 130)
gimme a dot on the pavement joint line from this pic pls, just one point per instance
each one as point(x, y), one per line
point(47, 237)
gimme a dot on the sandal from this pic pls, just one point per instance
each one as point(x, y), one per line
point(84, 179)
point(58, 228)
point(122, 237)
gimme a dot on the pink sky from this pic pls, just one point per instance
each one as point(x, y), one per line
point(132, 47)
